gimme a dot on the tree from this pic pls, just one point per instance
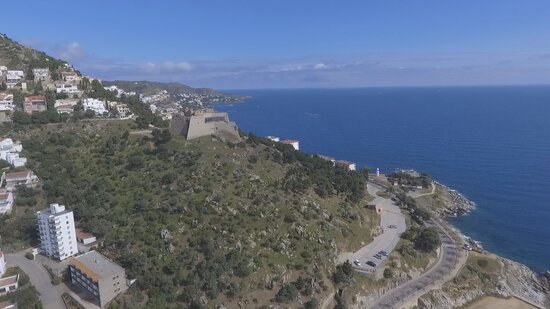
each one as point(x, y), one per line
point(286, 293)
point(29, 74)
point(428, 240)
point(89, 113)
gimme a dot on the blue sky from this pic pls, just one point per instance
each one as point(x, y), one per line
point(282, 44)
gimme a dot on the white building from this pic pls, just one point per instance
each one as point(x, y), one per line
point(70, 77)
point(57, 232)
point(9, 151)
point(95, 105)
point(273, 138)
point(41, 74)
point(6, 102)
point(6, 202)
point(13, 77)
point(293, 143)
point(68, 89)
point(2, 264)
point(23, 178)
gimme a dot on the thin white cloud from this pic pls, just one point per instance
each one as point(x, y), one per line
point(319, 66)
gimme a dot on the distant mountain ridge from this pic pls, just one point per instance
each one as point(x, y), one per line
point(16, 56)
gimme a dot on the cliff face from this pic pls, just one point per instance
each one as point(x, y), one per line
point(505, 279)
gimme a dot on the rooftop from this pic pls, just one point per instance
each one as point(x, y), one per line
point(289, 141)
point(95, 265)
point(83, 235)
point(16, 175)
point(9, 280)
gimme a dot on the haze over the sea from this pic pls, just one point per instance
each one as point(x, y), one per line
point(490, 143)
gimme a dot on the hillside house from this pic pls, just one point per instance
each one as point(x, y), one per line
point(9, 284)
point(23, 178)
point(6, 202)
point(70, 77)
point(9, 152)
point(41, 74)
point(6, 102)
point(35, 104)
point(13, 77)
point(97, 106)
point(70, 90)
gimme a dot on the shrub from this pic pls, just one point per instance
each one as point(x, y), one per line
point(388, 273)
point(428, 240)
point(482, 263)
point(286, 293)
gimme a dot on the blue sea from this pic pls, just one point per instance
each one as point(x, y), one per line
point(490, 143)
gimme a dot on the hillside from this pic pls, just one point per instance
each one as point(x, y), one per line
point(198, 223)
point(16, 56)
point(174, 92)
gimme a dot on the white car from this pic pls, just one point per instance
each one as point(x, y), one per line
point(357, 263)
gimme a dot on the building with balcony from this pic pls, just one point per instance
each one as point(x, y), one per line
point(14, 77)
point(41, 74)
point(6, 102)
point(100, 277)
point(57, 232)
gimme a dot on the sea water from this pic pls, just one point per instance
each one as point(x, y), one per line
point(490, 143)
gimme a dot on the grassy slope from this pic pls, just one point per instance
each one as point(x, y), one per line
point(233, 230)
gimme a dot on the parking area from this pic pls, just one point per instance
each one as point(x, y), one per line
point(392, 222)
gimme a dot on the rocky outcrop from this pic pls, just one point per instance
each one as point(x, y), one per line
point(513, 280)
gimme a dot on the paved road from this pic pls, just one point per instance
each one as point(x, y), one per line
point(49, 294)
point(447, 264)
point(391, 215)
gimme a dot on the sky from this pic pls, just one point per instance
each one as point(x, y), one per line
point(293, 44)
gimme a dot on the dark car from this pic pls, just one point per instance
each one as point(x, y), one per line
point(371, 263)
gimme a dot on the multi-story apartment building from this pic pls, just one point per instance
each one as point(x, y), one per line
point(98, 275)
point(57, 232)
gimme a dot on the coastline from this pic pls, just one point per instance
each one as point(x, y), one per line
point(517, 275)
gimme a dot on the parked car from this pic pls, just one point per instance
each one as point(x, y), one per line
point(371, 263)
point(357, 263)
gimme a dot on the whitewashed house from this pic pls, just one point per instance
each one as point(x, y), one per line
point(70, 77)
point(22, 178)
point(6, 102)
point(9, 151)
point(13, 77)
point(95, 105)
point(6, 202)
point(68, 89)
point(41, 74)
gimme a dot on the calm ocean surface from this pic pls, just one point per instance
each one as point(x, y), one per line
point(490, 143)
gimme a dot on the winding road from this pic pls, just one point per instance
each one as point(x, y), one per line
point(449, 263)
point(50, 296)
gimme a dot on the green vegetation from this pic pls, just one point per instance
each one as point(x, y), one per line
point(29, 256)
point(405, 179)
point(17, 56)
point(424, 239)
point(70, 302)
point(197, 221)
